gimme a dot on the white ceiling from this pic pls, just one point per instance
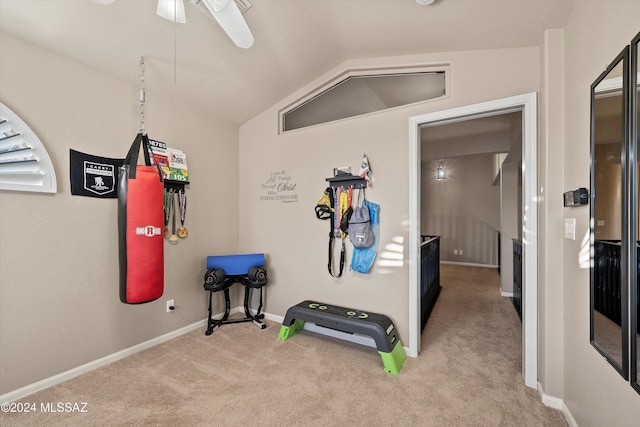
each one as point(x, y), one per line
point(296, 41)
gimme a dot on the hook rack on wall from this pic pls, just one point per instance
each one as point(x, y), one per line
point(174, 185)
point(347, 181)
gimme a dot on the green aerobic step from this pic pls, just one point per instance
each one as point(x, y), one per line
point(377, 326)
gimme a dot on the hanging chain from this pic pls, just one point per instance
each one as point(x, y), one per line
point(142, 130)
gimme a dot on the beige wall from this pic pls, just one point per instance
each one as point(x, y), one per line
point(59, 303)
point(464, 209)
point(595, 33)
point(285, 231)
point(550, 241)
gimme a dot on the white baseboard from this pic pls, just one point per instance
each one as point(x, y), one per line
point(568, 416)
point(272, 317)
point(506, 294)
point(82, 369)
point(557, 403)
point(74, 372)
point(469, 264)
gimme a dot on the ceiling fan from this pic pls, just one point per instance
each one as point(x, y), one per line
point(227, 13)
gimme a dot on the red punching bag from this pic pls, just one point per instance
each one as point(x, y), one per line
point(140, 226)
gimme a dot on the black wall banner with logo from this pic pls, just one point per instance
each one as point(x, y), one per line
point(93, 176)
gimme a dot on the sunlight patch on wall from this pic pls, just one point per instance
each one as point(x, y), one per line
point(392, 256)
point(586, 248)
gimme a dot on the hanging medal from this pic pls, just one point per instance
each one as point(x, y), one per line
point(173, 239)
point(182, 205)
point(168, 195)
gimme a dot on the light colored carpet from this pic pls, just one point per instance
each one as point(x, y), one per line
point(468, 374)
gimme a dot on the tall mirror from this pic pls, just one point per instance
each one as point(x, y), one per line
point(634, 83)
point(609, 219)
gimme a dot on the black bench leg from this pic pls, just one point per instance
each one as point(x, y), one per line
point(256, 318)
point(211, 322)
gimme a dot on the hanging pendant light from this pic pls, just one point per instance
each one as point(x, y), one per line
point(173, 10)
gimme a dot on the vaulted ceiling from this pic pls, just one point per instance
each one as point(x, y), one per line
point(296, 41)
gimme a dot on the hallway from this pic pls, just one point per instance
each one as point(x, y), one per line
point(474, 335)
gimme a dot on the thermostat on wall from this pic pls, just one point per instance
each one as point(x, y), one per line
point(576, 197)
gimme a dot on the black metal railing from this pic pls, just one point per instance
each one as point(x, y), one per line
point(517, 276)
point(607, 298)
point(429, 275)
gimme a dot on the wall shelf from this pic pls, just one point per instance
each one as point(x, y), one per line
point(175, 185)
point(347, 181)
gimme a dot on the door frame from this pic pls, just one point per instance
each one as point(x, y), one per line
point(527, 104)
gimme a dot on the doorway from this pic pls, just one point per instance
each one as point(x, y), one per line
point(527, 105)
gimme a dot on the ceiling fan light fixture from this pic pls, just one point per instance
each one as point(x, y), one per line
point(424, 2)
point(172, 10)
point(229, 17)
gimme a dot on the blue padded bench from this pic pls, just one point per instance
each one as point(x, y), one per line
point(225, 270)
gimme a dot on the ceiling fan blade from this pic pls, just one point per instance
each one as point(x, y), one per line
point(228, 16)
point(172, 10)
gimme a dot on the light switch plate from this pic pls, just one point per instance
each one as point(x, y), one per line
point(570, 228)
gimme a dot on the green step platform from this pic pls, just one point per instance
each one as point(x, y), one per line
point(351, 321)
